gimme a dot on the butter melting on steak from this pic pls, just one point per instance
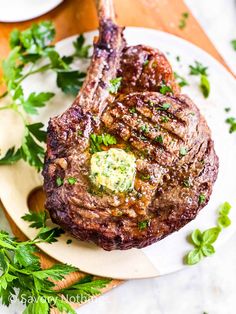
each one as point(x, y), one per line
point(176, 164)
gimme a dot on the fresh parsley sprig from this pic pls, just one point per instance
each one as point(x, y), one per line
point(233, 44)
point(199, 70)
point(32, 52)
point(30, 151)
point(203, 241)
point(23, 278)
point(232, 123)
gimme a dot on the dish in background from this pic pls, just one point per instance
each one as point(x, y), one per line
point(23, 10)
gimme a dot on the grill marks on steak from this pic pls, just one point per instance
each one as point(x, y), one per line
point(161, 197)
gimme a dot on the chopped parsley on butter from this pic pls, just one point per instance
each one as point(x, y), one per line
point(113, 170)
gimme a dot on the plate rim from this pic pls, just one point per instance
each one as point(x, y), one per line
point(30, 16)
point(216, 62)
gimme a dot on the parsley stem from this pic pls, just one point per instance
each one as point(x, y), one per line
point(19, 270)
point(4, 94)
point(41, 69)
point(6, 107)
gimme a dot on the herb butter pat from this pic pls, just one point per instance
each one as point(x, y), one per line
point(113, 170)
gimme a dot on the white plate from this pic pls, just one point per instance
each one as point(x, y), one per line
point(23, 10)
point(167, 255)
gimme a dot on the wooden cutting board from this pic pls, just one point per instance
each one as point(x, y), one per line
point(78, 16)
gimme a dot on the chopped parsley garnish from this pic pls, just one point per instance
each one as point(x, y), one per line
point(198, 69)
point(183, 151)
point(132, 110)
point(145, 62)
point(227, 109)
point(201, 198)
point(71, 180)
point(165, 119)
point(187, 183)
point(79, 132)
point(69, 241)
point(159, 139)
point(97, 140)
point(205, 86)
point(178, 58)
point(165, 106)
point(232, 122)
point(183, 20)
point(165, 89)
point(180, 80)
point(203, 241)
point(114, 85)
point(59, 181)
point(144, 128)
point(142, 225)
point(233, 43)
point(145, 177)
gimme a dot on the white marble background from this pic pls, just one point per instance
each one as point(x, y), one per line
point(210, 286)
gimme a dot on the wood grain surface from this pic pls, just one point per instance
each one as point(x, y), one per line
point(78, 16)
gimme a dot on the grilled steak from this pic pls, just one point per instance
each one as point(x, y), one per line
point(163, 131)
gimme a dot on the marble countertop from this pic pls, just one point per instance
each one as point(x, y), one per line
point(210, 286)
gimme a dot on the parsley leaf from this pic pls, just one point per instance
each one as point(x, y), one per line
point(71, 180)
point(114, 85)
point(232, 122)
point(70, 82)
point(59, 181)
point(198, 69)
point(35, 130)
point(25, 257)
point(183, 151)
point(205, 86)
point(165, 106)
point(28, 47)
point(81, 50)
point(23, 277)
point(201, 198)
point(30, 150)
point(233, 43)
point(97, 140)
point(142, 225)
point(164, 89)
point(38, 219)
point(11, 157)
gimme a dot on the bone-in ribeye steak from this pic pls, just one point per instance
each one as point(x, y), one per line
point(176, 165)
